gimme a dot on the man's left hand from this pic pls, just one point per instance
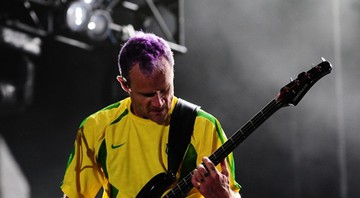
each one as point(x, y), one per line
point(212, 183)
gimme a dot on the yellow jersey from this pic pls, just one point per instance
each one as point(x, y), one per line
point(120, 152)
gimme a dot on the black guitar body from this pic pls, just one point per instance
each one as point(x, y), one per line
point(156, 187)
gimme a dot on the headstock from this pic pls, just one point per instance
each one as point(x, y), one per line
point(292, 93)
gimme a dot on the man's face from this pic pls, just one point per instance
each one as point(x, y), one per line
point(151, 95)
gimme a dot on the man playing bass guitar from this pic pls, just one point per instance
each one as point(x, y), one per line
point(123, 146)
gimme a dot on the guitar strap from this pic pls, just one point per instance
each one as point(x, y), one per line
point(181, 127)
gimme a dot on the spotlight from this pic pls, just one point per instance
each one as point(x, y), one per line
point(98, 27)
point(93, 3)
point(77, 16)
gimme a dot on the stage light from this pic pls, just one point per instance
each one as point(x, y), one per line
point(98, 27)
point(93, 3)
point(77, 16)
point(99, 20)
point(21, 41)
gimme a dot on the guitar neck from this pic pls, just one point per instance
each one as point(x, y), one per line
point(183, 186)
point(240, 135)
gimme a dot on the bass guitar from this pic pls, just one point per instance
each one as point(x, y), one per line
point(289, 95)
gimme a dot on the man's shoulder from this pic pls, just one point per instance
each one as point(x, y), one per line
point(108, 113)
point(202, 114)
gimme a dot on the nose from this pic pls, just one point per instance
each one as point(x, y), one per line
point(158, 100)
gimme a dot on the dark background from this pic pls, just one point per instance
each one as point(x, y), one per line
point(240, 53)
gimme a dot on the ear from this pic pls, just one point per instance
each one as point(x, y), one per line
point(123, 82)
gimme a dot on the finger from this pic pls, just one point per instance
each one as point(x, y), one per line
point(194, 179)
point(224, 168)
point(202, 170)
point(210, 166)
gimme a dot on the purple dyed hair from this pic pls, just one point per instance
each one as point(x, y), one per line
point(146, 49)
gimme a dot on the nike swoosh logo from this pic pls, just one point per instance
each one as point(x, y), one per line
point(116, 146)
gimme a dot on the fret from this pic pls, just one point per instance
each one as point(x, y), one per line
point(263, 114)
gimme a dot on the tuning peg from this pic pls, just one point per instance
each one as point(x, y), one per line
point(323, 59)
point(291, 79)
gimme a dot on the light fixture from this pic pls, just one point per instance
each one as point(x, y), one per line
point(77, 16)
point(21, 41)
point(116, 20)
point(93, 3)
point(98, 27)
